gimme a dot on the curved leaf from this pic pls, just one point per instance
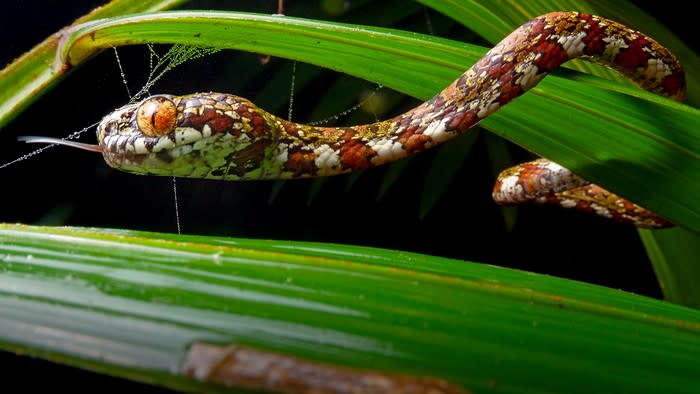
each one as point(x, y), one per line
point(134, 303)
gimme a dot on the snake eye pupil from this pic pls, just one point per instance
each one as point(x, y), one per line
point(156, 116)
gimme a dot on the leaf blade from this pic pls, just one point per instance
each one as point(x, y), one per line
point(352, 306)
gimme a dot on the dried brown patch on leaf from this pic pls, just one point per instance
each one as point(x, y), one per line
point(256, 369)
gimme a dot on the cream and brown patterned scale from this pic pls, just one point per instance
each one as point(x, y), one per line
point(221, 136)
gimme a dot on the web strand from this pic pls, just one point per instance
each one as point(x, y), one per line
point(121, 71)
point(349, 110)
point(177, 206)
point(35, 152)
point(291, 91)
point(176, 55)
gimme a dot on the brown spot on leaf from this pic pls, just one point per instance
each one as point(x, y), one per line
point(245, 367)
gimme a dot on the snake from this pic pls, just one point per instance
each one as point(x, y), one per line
point(222, 136)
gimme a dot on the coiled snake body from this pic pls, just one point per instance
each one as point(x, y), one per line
point(221, 136)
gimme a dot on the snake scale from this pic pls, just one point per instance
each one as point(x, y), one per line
point(221, 136)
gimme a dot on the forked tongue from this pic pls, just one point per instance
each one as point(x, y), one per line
point(30, 139)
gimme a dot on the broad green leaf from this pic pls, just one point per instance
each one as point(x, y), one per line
point(133, 303)
point(675, 256)
point(479, 16)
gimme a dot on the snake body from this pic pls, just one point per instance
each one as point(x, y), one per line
point(221, 136)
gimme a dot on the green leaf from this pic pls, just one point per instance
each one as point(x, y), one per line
point(133, 303)
point(675, 256)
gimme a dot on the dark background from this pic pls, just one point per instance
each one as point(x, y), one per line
point(70, 187)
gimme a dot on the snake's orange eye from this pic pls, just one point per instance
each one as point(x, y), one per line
point(156, 116)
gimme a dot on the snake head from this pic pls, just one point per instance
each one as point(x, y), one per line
point(204, 135)
point(132, 134)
